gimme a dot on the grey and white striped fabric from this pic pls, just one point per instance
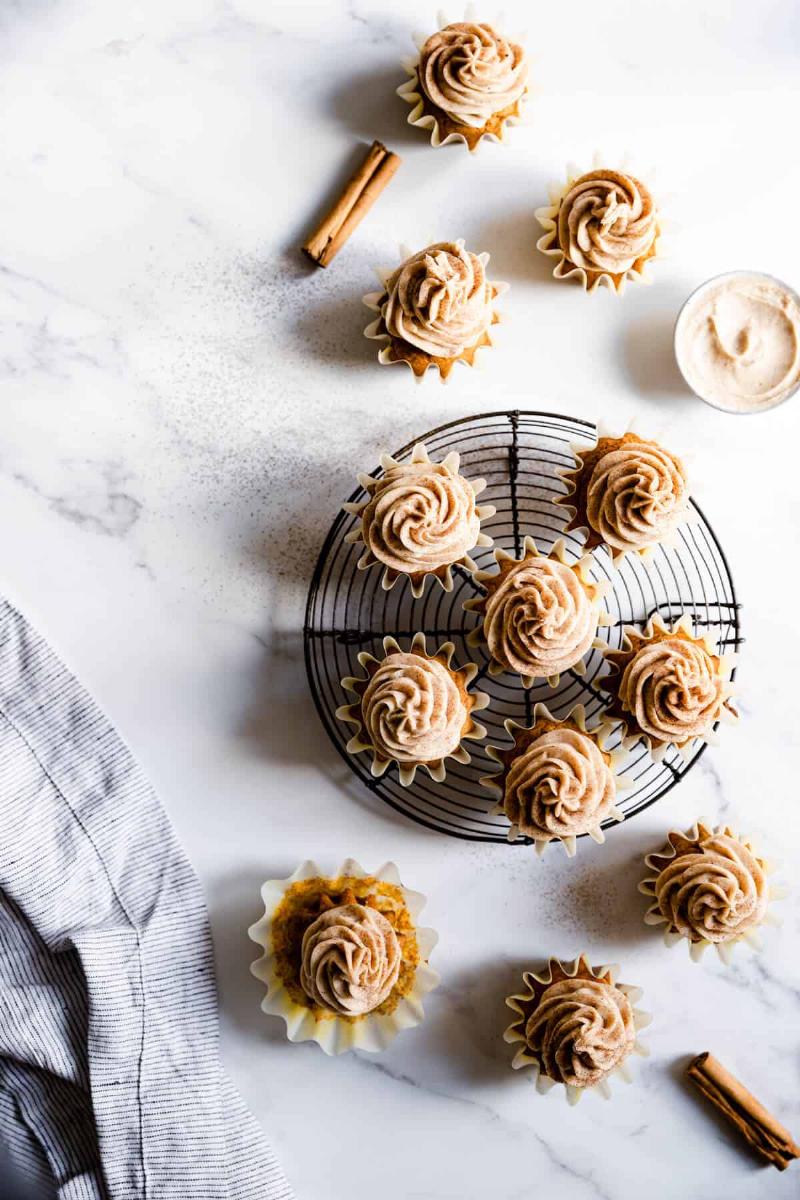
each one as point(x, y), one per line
point(110, 1080)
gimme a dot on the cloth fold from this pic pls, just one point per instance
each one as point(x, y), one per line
point(110, 1080)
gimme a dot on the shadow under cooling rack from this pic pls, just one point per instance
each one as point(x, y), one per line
point(518, 454)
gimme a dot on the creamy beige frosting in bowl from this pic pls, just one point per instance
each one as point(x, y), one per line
point(351, 960)
point(737, 342)
point(471, 72)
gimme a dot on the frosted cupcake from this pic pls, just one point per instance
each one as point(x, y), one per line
point(601, 228)
point(539, 614)
point(413, 709)
point(556, 781)
point(668, 686)
point(435, 310)
point(419, 519)
point(629, 493)
point(575, 1025)
point(708, 887)
point(344, 959)
point(467, 83)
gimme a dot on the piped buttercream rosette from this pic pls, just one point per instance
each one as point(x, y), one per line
point(435, 309)
point(628, 492)
point(419, 519)
point(344, 959)
point(539, 613)
point(556, 781)
point(413, 709)
point(467, 82)
point(602, 227)
point(709, 887)
point(668, 686)
point(576, 1025)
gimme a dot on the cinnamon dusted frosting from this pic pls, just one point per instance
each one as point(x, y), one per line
point(413, 710)
point(351, 960)
point(439, 300)
point(606, 222)
point(559, 785)
point(421, 516)
point(470, 72)
point(737, 342)
point(708, 886)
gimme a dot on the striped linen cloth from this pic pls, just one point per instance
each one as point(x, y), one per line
point(110, 1081)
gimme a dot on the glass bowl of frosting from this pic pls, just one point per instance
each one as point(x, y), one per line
point(737, 342)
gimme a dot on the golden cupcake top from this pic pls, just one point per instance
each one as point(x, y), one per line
point(539, 613)
point(470, 73)
point(708, 886)
point(575, 1025)
point(413, 709)
point(556, 781)
point(420, 518)
point(668, 686)
point(629, 492)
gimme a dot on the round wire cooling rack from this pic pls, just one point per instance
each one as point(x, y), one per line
point(347, 611)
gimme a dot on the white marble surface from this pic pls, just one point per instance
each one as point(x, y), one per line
point(184, 403)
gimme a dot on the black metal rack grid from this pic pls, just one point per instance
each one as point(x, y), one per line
point(518, 453)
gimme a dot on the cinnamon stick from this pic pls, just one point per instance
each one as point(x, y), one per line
point(357, 198)
point(732, 1099)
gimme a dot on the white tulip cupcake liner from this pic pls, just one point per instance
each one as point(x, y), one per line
point(632, 640)
point(442, 574)
point(535, 983)
point(594, 590)
point(373, 1031)
point(443, 130)
point(359, 742)
point(656, 862)
point(504, 755)
point(548, 243)
point(397, 351)
point(571, 477)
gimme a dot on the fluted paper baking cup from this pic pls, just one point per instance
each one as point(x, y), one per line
point(535, 983)
point(372, 1031)
point(723, 889)
point(352, 713)
point(486, 579)
point(549, 244)
point(396, 350)
point(443, 129)
point(443, 572)
point(544, 720)
point(575, 508)
point(633, 640)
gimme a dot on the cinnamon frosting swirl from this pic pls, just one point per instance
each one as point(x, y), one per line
point(714, 889)
point(421, 516)
point(673, 688)
point(351, 960)
point(559, 785)
point(636, 493)
point(470, 72)
point(439, 300)
point(412, 709)
point(606, 221)
point(580, 1030)
point(538, 618)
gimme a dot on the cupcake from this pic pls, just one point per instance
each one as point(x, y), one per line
point(556, 781)
point(708, 887)
point(601, 227)
point(413, 709)
point(345, 962)
point(467, 83)
point(419, 519)
point(576, 1026)
point(668, 686)
point(539, 613)
point(629, 493)
point(435, 310)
